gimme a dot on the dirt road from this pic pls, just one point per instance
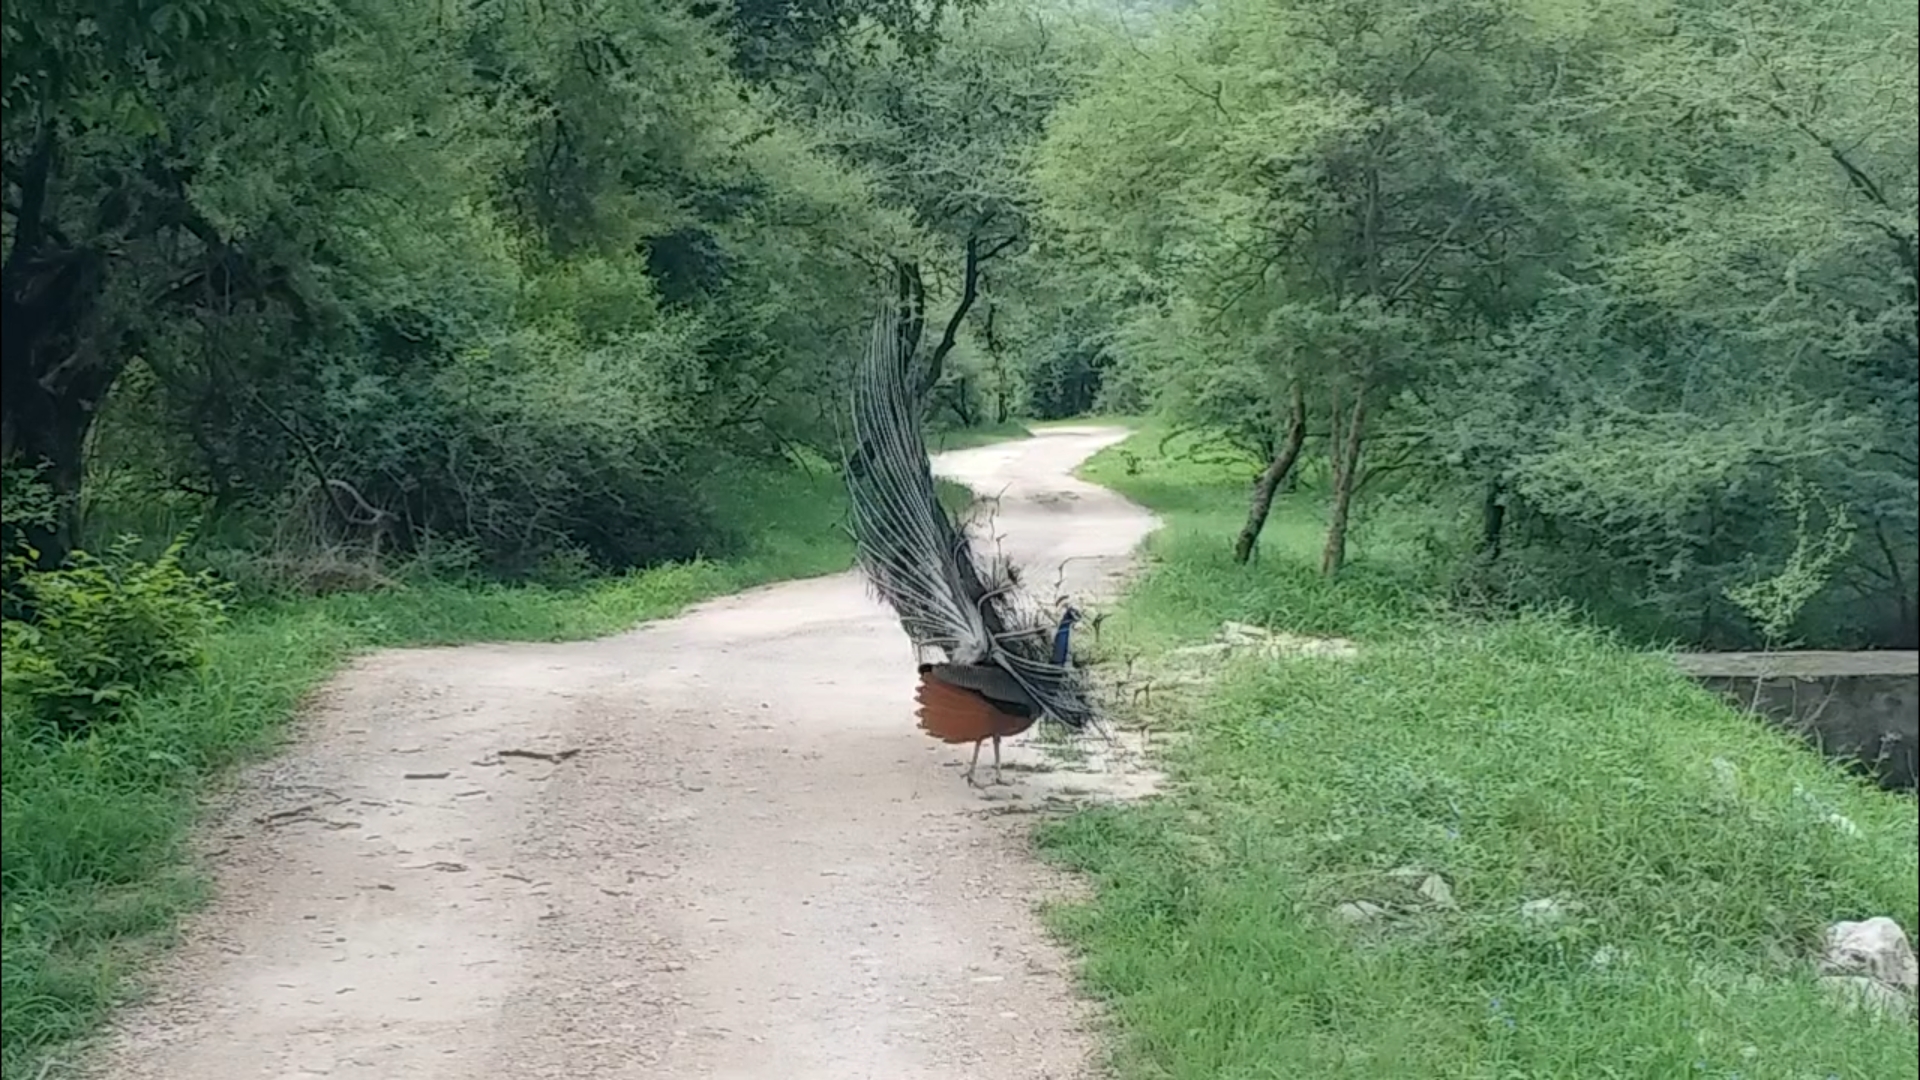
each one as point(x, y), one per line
point(739, 859)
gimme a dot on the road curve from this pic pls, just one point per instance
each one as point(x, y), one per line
point(740, 860)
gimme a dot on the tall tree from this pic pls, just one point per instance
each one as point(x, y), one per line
point(1351, 192)
point(946, 134)
point(120, 125)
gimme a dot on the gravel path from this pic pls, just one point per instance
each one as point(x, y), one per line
point(737, 858)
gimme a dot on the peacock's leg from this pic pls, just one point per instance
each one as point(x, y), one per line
point(997, 778)
point(974, 764)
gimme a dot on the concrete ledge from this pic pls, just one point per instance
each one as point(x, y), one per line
point(1863, 707)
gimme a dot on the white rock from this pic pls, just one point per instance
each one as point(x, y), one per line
point(1606, 956)
point(1843, 823)
point(1334, 648)
point(1209, 650)
point(1860, 992)
point(1876, 949)
point(1546, 909)
point(1359, 911)
point(1436, 890)
point(1432, 887)
point(1234, 636)
point(1726, 778)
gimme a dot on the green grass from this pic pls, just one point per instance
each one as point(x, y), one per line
point(1696, 852)
point(96, 866)
point(1093, 419)
point(941, 440)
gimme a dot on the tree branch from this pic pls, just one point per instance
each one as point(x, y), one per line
point(969, 293)
point(1419, 266)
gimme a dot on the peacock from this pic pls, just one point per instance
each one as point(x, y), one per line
point(1004, 663)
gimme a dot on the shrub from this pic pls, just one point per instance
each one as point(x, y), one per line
point(28, 505)
point(102, 630)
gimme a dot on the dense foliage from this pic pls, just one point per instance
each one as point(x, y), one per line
point(508, 273)
point(1631, 285)
point(1620, 300)
point(1610, 302)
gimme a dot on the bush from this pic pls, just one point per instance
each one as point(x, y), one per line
point(28, 506)
point(102, 630)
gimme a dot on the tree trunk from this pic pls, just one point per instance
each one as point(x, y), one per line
point(960, 402)
point(51, 388)
point(1346, 446)
point(1906, 627)
point(1002, 390)
point(911, 294)
point(1493, 520)
point(1277, 472)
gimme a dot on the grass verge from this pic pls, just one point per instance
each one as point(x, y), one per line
point(1634, 875)
point(941, 440)
point(1093, 420)
point(96, 866)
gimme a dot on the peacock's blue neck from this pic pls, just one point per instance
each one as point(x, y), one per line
point(1062, 639)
